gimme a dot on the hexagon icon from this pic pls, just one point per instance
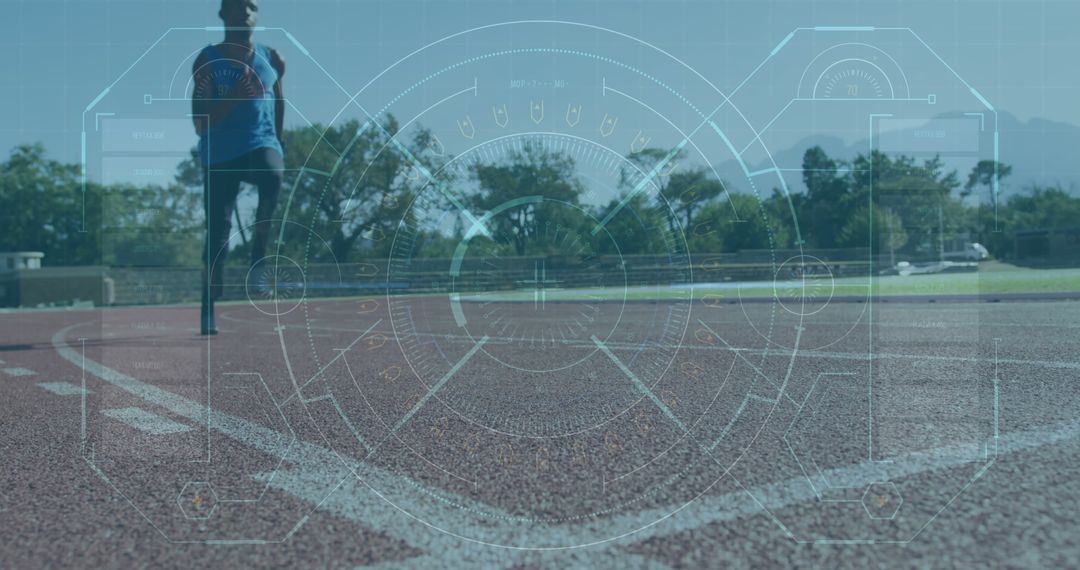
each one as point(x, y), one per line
point(197, 500)
point(882, 500)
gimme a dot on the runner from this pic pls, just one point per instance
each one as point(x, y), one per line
point(238, 109)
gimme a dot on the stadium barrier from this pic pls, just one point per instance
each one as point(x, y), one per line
point(168, 285)
point(172, 285)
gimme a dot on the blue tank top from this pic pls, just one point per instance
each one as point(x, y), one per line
point(249, 125)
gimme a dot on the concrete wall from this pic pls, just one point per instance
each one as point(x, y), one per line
point(54, 286)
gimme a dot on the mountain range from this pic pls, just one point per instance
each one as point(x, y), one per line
point(1040, 151)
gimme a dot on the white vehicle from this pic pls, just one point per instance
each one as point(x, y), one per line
point(971, 252)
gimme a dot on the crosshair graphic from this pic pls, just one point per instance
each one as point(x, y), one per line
point(514, 342)
point(545, 336)
point(497, 295)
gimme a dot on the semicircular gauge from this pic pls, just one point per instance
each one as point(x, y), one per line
point(853, 71)
point(853, 79)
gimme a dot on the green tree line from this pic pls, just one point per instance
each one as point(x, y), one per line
point(350, 209)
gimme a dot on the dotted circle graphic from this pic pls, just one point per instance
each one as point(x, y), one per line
point(804, 285)
point(275, 285)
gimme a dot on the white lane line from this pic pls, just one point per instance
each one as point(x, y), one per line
point(148, 422)
point(712, 509)
point(365, 503)
point(61, 388)
point(596, 558)
point(379, 499)
point(922, 357)
point(18, 372)
point(668, 521)
point(776, 351)
point(367, 495)
point(352, 502)
point(311, 334)
point(928, 312)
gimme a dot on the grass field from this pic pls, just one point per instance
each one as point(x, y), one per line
point(992, 278)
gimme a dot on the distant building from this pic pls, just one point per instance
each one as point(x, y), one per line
point(1049, 245)
point(10, 261)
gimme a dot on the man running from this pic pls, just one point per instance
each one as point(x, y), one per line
point(238, 109)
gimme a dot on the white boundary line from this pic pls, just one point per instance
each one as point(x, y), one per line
point(318, 469)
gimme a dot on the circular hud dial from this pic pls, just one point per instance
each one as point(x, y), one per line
point(530, 204)
point(536, 283)
point(528, 304)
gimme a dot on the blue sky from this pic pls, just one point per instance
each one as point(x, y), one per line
point(60, 54)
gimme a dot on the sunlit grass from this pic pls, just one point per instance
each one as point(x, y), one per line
point(997, 279)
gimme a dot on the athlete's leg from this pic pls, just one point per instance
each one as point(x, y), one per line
point(266, 174)
point(220, 187)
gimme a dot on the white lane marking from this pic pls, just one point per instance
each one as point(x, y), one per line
point(316, 335)
point(712, 509)
point(819, 354)
point(594, 558)
point(148, 422)
point(921, 357)
point(382, 501)
point(808, 353)
point(353, 501)
point(930, 311)
point(669, 521)
point(18, 372)
point(778, 352)
point(371, 497)
point(321, 469)
point(62, 388)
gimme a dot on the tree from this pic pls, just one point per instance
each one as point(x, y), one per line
point(353, 189)
point(686, 190)
point(355, 186)
point(638, 227)
point(534, 171)
point(983, 173)
point(919, 195)
point(689, 190)
point(887, 226)
point(151, 225)
point(1043, 207)
point(43, 208)
point(39, 205)
point(829, 200)
point(760, 224)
